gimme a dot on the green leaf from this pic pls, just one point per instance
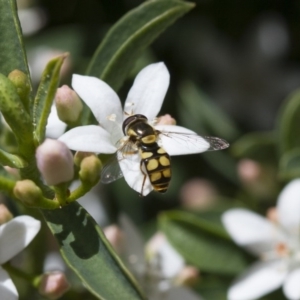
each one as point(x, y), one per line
point(202, 243)
point(88, 253)
point(289, 123)
point(289, 165)
point(14, 112)
point(12, 160)
point(199, 112)
point(126, 40)
point(12, 51)
point(44, 97)
point(259, 146)
point(222, 162)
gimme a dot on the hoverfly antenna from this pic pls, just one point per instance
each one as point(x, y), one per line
point(130, 120)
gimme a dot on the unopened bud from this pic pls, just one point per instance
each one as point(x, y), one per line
point(249, 170)
point(5, 214)
point(115, 236)
point(68, 104)
point(55, 162)
point(28, 192)
point(53, 285)
point(188, 276)
point(272, 215)
point(79, 156)
point(90, 168)
point(21, 82)
point(13, 172)
point(166, 120)
point(198, 194)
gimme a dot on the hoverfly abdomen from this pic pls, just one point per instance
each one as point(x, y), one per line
point(158, 166)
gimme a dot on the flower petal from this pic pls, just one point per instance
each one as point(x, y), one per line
point(148, 91)
point(101, 99)
point(90, 138)
point(8, 290)
point(288, 207)
point(171, 261)
point(177, 140)
point(55, 127)
point(251, 231)
point(258, 280)
point(15, 235)
point(291, 287)
point(131, 169)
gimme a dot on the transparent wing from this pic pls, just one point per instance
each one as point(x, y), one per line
point(112, 171)
point(179, 143)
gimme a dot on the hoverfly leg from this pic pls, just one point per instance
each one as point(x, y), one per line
point(144, 180)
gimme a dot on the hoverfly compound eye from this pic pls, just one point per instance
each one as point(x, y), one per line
point(130, 120)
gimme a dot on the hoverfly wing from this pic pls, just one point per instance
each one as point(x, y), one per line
point(185, 141)
point(111, 171)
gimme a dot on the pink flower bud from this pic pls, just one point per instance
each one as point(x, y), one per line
point(272, 215)
point(166, 120)
point(55, 162)
point(249, 170)
point(68, 104)
point(188, 276)
point(198, 194)
point(5, 214)
point(115, 236)
point(53, 285)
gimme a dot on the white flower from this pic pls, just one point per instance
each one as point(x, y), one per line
point(15, 235)
point(145, 97)
point(277, 244)
point(158, 270)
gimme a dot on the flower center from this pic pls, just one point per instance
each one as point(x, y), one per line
point(282, 250)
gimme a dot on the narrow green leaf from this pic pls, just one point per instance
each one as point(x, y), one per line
point(130, 35)
point(6, 183)
point(222, 162)
point(198, 112)
point(289, 165)
point(260, 146)
point(202, 243)
point(289, 123)
point(12, 160)
point(133, 33)
point(14, 111)
point(89, 254)
point(12, 51)
point(44, 97)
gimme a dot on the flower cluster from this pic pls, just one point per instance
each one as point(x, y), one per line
point(276, 241)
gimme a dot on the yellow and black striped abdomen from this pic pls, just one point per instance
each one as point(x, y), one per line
point(158, 166)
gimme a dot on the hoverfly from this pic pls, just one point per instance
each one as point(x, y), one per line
point(143, 145)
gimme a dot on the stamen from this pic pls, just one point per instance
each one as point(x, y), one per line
point(281, 249)
point(112, 117)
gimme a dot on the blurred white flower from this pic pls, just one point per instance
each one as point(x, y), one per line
point(157, 270)
point(55, 127)
point(32, 19)
point(15, 235)
point(276, 242)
